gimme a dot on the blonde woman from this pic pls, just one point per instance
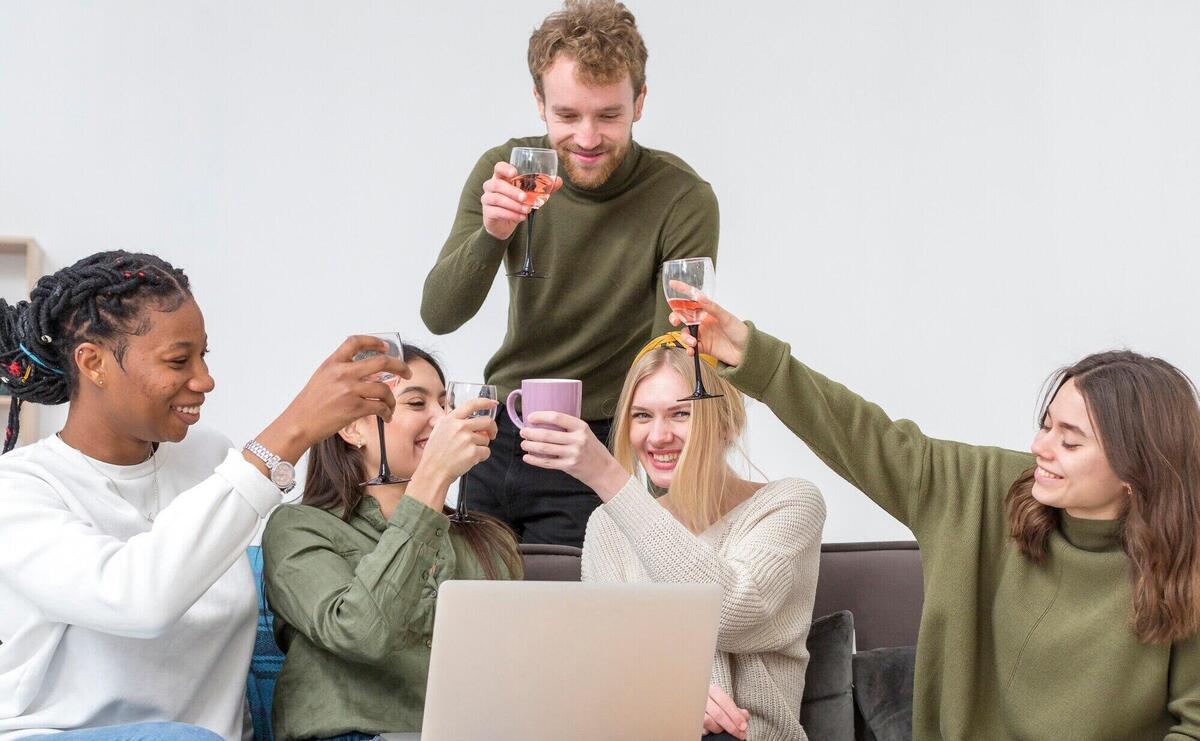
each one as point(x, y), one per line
point(675, 511)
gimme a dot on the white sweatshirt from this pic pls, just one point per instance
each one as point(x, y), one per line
point(106, 618)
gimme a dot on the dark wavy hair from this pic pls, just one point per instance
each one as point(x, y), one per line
point(1147, 418)
point(103, 299)
point(334, 483)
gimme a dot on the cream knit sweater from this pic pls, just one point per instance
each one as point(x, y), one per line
point(766, 557)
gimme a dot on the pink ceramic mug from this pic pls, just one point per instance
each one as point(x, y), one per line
point(545, 395)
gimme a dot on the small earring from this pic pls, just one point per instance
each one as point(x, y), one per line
point(100, 382)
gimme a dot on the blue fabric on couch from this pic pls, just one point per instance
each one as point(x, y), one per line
point(267, 659)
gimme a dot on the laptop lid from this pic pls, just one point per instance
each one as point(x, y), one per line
point(522, 661)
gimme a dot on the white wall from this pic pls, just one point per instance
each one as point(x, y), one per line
point(937, 202)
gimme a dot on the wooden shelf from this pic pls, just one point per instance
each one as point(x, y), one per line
point(20, 258)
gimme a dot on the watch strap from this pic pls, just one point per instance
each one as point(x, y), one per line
point(258, 450)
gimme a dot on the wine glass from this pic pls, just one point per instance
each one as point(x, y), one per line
point(395, 349)
point(697, 275)
point(536, 170)
point(459, 393)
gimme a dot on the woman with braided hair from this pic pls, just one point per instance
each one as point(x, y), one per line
point(127, 605)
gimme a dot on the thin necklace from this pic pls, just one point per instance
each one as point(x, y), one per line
point(148, 516)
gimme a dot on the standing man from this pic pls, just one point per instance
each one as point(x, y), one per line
point(600, 240)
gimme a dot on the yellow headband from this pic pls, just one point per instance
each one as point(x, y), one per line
point(672, 340)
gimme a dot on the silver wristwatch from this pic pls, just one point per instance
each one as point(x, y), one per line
point(283, 474)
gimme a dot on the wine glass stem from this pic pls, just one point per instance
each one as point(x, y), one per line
point(528, 266)
point(699, 390)
point(384, 471)
point(462, 498)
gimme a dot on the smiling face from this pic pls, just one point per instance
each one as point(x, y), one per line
point(420, 402)
point(154, 391)
point(1072, 471)
point(591, 126)
point(659, 423)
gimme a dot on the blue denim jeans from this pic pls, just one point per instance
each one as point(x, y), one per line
point(138, 732)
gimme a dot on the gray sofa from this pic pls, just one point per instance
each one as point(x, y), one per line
point(861, 645)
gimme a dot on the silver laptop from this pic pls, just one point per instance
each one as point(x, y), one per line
point(525, 661)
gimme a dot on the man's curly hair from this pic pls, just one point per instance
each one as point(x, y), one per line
point(600, 35)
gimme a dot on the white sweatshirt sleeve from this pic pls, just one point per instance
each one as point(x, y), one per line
point(138, 587)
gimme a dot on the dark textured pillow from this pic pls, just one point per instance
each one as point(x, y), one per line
point(883, 693)
point(827, 708)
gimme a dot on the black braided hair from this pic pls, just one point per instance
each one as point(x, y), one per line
point(98, 299)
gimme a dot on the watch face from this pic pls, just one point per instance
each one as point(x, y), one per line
point(283, 474)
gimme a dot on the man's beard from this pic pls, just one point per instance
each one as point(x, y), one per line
point(589, 178)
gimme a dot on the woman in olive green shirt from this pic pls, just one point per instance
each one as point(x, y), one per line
point(1062, 587)
point(352, 573)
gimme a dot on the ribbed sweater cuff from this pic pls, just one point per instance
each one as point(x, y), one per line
point(247, 480)
point(760, 362)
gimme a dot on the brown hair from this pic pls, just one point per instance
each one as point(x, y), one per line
point(600, 35)
point(698, 487)
point(1147, 419)
point(336, 470)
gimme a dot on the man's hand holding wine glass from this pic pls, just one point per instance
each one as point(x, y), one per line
point(504, 204)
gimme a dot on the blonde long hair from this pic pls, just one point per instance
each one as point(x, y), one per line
point(699, 488)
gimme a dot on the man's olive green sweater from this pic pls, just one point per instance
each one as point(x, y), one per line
point(1008, 649)
point(603, 251)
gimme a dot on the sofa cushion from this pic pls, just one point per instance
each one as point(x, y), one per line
point(545, 562)
point(883, 693)
point(827, 708)
point(880, 583)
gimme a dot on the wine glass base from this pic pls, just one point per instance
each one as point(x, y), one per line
point(528, 274)
point(695, 397)
point(384, 480)
point(464, 519)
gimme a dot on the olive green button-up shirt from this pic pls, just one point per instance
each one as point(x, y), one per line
point(354, 605)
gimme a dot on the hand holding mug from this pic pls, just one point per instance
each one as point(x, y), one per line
point(565, 443)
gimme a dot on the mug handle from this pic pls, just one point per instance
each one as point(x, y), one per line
point(511, 407)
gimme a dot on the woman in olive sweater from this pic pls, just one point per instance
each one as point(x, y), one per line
point(353, 572)
point(1062, 588)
